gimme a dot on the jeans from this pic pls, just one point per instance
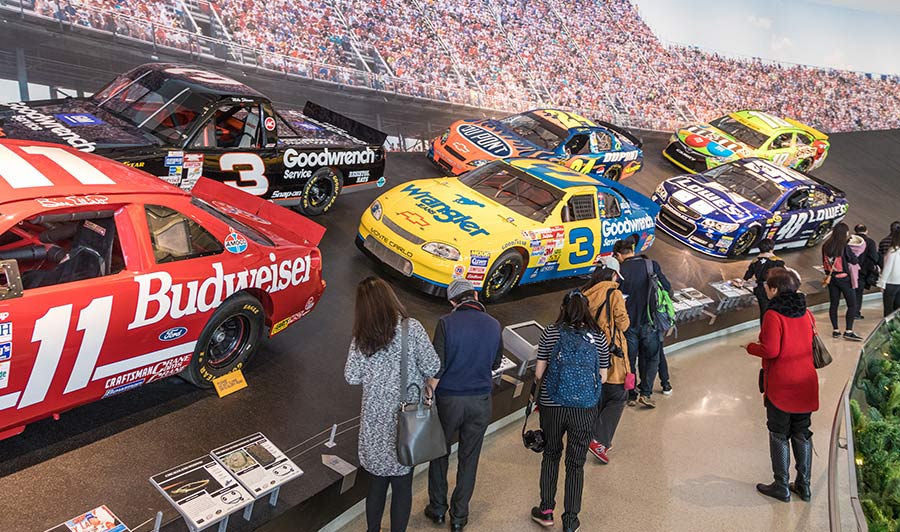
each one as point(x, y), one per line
point(837, 287)
point(401, 502)
point(891, 298)
point(644, 346)
point(470, 415)
point(663, 367)
point(609, 411)
point(575, 425)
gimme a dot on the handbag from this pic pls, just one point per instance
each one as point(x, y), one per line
point(630, 380)
point(821, 356)
point(420, 437)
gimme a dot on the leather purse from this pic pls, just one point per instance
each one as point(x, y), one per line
point(420, 436)
point(821, 356)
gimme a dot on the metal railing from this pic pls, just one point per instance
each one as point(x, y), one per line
point(843, 418)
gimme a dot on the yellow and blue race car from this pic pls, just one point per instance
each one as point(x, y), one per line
point(509, 222)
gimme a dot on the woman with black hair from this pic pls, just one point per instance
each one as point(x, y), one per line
point(572, 362)
point(889, 281)
point(381, 326)
point(836, 259)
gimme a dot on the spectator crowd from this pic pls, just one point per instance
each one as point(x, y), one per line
point(599, 58)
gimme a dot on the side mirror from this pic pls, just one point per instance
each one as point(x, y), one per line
point(10, 280)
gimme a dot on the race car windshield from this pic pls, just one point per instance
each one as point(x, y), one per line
point(754, 187)
point(535, 130)
point(514, 189)
point(739, 131)
point(162, 108)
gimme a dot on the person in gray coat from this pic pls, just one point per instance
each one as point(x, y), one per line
point(374, 362)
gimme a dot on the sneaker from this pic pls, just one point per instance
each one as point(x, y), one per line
point(574, 526)
point(850, 335)
point(632, 402)
point(835, 333)
point(646, 402)
point(599, 451)
point(859, 317)
point(667, 389)
point(542, 517)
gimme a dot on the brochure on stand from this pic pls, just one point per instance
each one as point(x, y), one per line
point(257, 463)
point(100, 519)
point(202, 490)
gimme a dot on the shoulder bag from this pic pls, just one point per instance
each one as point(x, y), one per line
point(821, 356)
point(614, 349)
point(420, 437)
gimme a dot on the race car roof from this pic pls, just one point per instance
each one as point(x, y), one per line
point(555, 174)
point(36, 170)
point(206, 81)
point(765, 123)
point(564, 119)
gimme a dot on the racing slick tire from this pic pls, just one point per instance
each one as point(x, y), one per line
point(613, 173)
point(820, 234)
point(320, 192)
point(503, 276)
point(228, 340)
point(804, 165)
point(745, 241)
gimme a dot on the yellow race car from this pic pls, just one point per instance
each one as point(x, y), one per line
point(509, 222)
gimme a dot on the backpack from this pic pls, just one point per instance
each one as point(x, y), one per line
point(660, 309)
point(573, 372)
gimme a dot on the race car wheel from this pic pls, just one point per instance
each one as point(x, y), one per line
point(613, 173)
point(823, 229)
point(745, 242)
point(227, 341)
point(804, 165)
point(320, 192)
point(503, 276)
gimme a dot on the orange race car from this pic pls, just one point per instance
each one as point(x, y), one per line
point(594, 148)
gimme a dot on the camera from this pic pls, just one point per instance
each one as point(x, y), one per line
point(534, 440)
point(616, 350)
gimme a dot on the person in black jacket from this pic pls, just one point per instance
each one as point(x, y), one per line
point(868, 265)
point(885, 244)
point(645, 346)
point(468, 342)
point(759, 270)
point(836, 259)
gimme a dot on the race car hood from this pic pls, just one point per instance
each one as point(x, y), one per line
point(712, 142)
point(496, 140)
point(75, 122)
point(445, 210)
point(710, 200)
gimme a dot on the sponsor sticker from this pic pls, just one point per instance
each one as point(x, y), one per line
point(174, 158)
point(269, 123)
point(443, 212)
point(462, 200)
point(478, 261)
point(4, 373)
point(95, 228)
point(6, 330)
point(172, 334)
point(72, 201)
point(193, 160)
point(414, 218)
point(381, 181)
point(123, 388)
point(80, 119)
point(326, 157)
point(485, 140)
point(235, 243)
point(475, 277)
point(174, 171)
point(5, 350)
point(458, 271)
point(37, 121)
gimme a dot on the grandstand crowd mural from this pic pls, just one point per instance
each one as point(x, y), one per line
point(599, 58)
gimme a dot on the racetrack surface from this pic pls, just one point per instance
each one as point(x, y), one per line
point(103, 453)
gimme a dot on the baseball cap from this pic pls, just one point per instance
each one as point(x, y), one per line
point(459, 287)
point(611, 263)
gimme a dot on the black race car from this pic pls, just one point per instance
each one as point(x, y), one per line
point(181, 122)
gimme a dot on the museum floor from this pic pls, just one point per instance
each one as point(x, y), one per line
point(689, 465)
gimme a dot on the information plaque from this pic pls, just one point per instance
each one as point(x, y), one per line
point(257, 464)
point(100, 519)
point(202, 491)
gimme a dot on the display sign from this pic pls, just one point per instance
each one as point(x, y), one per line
point(230, 383)
point(521, 340)
point(257, 464)
point(505, 364)
point(202, 490)
point(100, 519)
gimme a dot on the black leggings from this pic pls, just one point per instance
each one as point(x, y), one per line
point(401, 501)
point(837, 287)
point(891, 298)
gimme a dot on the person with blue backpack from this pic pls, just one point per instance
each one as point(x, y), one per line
point(572, 364)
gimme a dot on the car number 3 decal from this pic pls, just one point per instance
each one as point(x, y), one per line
point(251, 172)
point(583, 237)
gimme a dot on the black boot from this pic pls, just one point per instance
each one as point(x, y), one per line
point(781, 462)
point(803, 457)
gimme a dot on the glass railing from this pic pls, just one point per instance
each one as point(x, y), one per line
point(869, 411)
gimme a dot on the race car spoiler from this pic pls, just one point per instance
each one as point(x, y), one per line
point(811, 130)
point(354, 128)
point(274, 218)
point(838, 192)
point(622, 131)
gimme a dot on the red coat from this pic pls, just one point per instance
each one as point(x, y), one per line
point(785, 346)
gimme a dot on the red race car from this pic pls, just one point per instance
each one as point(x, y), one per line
point(111, 278)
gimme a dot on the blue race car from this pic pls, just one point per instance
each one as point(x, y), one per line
point(726, 211)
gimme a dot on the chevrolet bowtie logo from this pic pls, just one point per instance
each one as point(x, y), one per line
point(460, 147)
point(681, 208)
point(414, 218)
